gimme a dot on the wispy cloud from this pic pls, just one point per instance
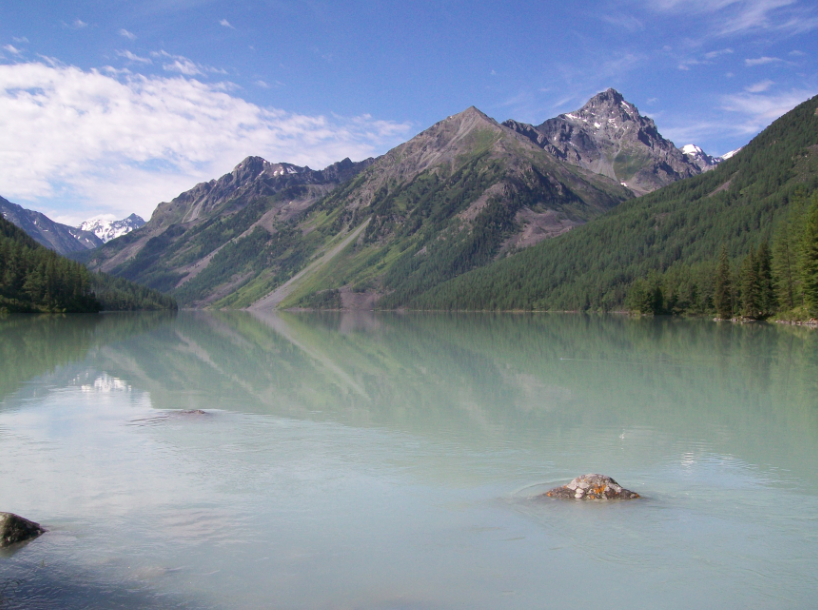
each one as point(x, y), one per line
point(77, 24)
point(746, 114)
point(625, 22)
point(761, 61)
point(761, 110)
point(737, 17)
point(134, 57)
point(126, 34)
point(703, 60)
point(122, 143)
point(226, 23)
point(183, 65)
point(759, 87)
point(12, 49)
point(20, 40)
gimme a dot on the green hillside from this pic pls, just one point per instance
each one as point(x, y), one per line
point(36, 279)
point(670, 239)
point(452, 199)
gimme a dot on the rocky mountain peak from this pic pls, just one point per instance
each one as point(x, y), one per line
point(700, 158)
point(609, 136)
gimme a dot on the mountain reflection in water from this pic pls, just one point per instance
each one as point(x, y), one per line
point(394, 459)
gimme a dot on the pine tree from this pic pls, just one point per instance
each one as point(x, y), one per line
point(723, 291)
point(766, 288)
point(750, 288)
point(809, 262)
point(785, 270)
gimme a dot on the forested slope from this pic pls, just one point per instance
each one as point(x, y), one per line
point(671, 237)
point(36, 279)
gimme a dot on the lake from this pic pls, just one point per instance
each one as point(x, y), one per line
point(395, 461)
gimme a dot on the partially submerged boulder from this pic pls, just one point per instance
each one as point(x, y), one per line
point(592, 487)
point(14, 529)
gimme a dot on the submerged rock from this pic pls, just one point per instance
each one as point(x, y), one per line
point(14, 528)
point(592, 487)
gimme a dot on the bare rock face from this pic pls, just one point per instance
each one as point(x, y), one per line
point(592, 487)
point(14, 529)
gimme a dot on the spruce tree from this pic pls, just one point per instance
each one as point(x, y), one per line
point(750, 293)
point(723, 291)
point(809, 261)
point(766, 288)
point(785, 270)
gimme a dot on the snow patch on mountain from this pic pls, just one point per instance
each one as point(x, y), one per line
point(732, 153)
point(700, 158)
point(107, 227)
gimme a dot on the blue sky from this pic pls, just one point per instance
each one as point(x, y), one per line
point(112, 107)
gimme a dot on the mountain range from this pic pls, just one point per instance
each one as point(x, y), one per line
point(106, 227)
point(65, 239)
point(458, 196)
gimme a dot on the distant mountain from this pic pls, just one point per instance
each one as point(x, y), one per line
point(61, 238)
point(185, 236)
point(106, 227)
point(700, 158)
point(37, 279)
point(609, 136)
point(454, 197)
point(670, 238)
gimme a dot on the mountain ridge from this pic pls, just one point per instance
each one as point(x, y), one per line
point(458, 195)
point(61, 238)
point(609, 136)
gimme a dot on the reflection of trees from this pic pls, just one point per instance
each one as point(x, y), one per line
point(32, 345)
point(488, 378)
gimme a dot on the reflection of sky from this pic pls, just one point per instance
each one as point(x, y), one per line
point(409, 495)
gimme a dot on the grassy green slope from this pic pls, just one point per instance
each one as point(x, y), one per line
point(425, 230)
point(738, 204)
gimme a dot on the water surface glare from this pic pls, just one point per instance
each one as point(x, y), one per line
point(395, 461)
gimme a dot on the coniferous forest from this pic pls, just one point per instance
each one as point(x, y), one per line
point(738, 241)
point(36, 279)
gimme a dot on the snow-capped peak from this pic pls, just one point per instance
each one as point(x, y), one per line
point(732, 153)
point(700, 158)
point(107, 227)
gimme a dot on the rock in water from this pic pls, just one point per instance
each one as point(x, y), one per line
point(14, 528)
point(592, 487)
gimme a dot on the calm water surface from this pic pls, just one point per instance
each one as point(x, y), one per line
point(358, 461)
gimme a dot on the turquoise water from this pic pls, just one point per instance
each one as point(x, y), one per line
point(394, 461)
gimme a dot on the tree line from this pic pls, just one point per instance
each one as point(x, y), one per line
point(770, 281)
point(36, 279)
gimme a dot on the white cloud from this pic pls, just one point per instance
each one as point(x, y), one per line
point(761, 110)
point(11, 49)
point(78, 24)
point(737, 17)
point(746, 114)
point(133, 57)
point(126, 34)
point(183, 65)
point(226, 23)
point(122, 144)
point(20, 40)
point(759, 87)
point(761, 61)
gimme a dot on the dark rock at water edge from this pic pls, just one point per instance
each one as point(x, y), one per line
point(14, 529)
point(592, 487)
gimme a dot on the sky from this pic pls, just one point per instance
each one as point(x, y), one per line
point(113, 106)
